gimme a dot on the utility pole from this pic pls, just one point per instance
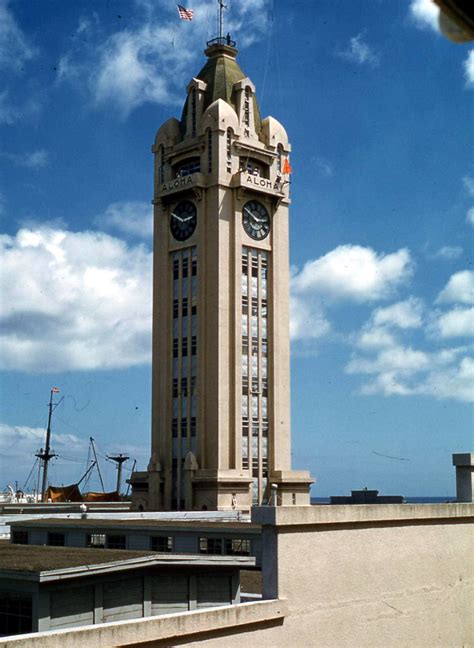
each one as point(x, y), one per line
point(46, 454)
point(119, 459)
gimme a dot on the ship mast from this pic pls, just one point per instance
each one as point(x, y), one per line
point(46, 455)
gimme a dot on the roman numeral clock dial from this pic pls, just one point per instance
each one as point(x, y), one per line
point(256, 220)
point(183, 220)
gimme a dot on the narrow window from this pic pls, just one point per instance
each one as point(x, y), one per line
point(185, 267)
point(16, 614)
point(20, 537)
point(237, 547)
point(116, 542)
point(163, 544)
point(210, 546)
point(209, 150)
point(174, 428)
point(95, 540)
point(56, 539)
point(229, 150)
point(176, 269)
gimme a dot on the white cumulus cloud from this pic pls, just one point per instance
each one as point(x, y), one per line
point(31, 160)
point(307, 320)
point(154, 58)
point(15, 49)
point(470, 216)
point(405, 314)
point(460, 288)
point(424, 14)
point(404, 371)
point(133, 217)
point(83, 301)
point(354, 273)
point(358, 51)
point(458, 322)
point(469, 69)
point(468, 182)
point(448, 252)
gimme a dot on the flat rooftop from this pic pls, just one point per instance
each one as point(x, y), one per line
point(97, 523)
point(51, 563)
point(34, 558)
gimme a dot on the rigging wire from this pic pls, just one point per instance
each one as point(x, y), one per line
point(267, 56)
point(25, 485)
point(208, 20)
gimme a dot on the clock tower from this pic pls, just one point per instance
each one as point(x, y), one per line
point(221, 378)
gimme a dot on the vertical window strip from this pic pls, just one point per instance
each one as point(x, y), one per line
point(184, 348)
point(254, 368)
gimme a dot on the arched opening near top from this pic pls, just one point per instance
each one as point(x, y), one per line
point(161, 163)
point(279, 159)
point(247, 100)
point(254, 167)
point(187, 167)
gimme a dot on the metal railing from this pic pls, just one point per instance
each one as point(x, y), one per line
point(222, 40)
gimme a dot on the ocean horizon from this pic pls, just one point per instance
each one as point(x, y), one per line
point(408, 500)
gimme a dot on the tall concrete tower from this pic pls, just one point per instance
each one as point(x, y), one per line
point(221, 381)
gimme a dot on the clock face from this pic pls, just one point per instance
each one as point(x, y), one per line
point(256, 220)
point(183, 220)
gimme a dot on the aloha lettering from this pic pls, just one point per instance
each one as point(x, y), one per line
point(177, 184)
point(259, 182)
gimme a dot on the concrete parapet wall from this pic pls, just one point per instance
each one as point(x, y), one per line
point(369, 576)
point(168, 628)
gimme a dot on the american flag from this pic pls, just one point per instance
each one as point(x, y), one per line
point(55, 390)
point(185, 14)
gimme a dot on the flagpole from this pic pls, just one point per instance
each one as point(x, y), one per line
point(221, 18)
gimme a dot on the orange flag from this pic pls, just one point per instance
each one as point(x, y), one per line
point(287, 166)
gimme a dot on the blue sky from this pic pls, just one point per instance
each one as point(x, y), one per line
point(379, 110)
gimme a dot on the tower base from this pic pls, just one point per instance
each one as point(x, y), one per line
point(221, 490)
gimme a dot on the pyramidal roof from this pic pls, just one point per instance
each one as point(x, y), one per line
point(220, 72)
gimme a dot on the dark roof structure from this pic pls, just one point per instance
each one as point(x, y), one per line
point(220, 73)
